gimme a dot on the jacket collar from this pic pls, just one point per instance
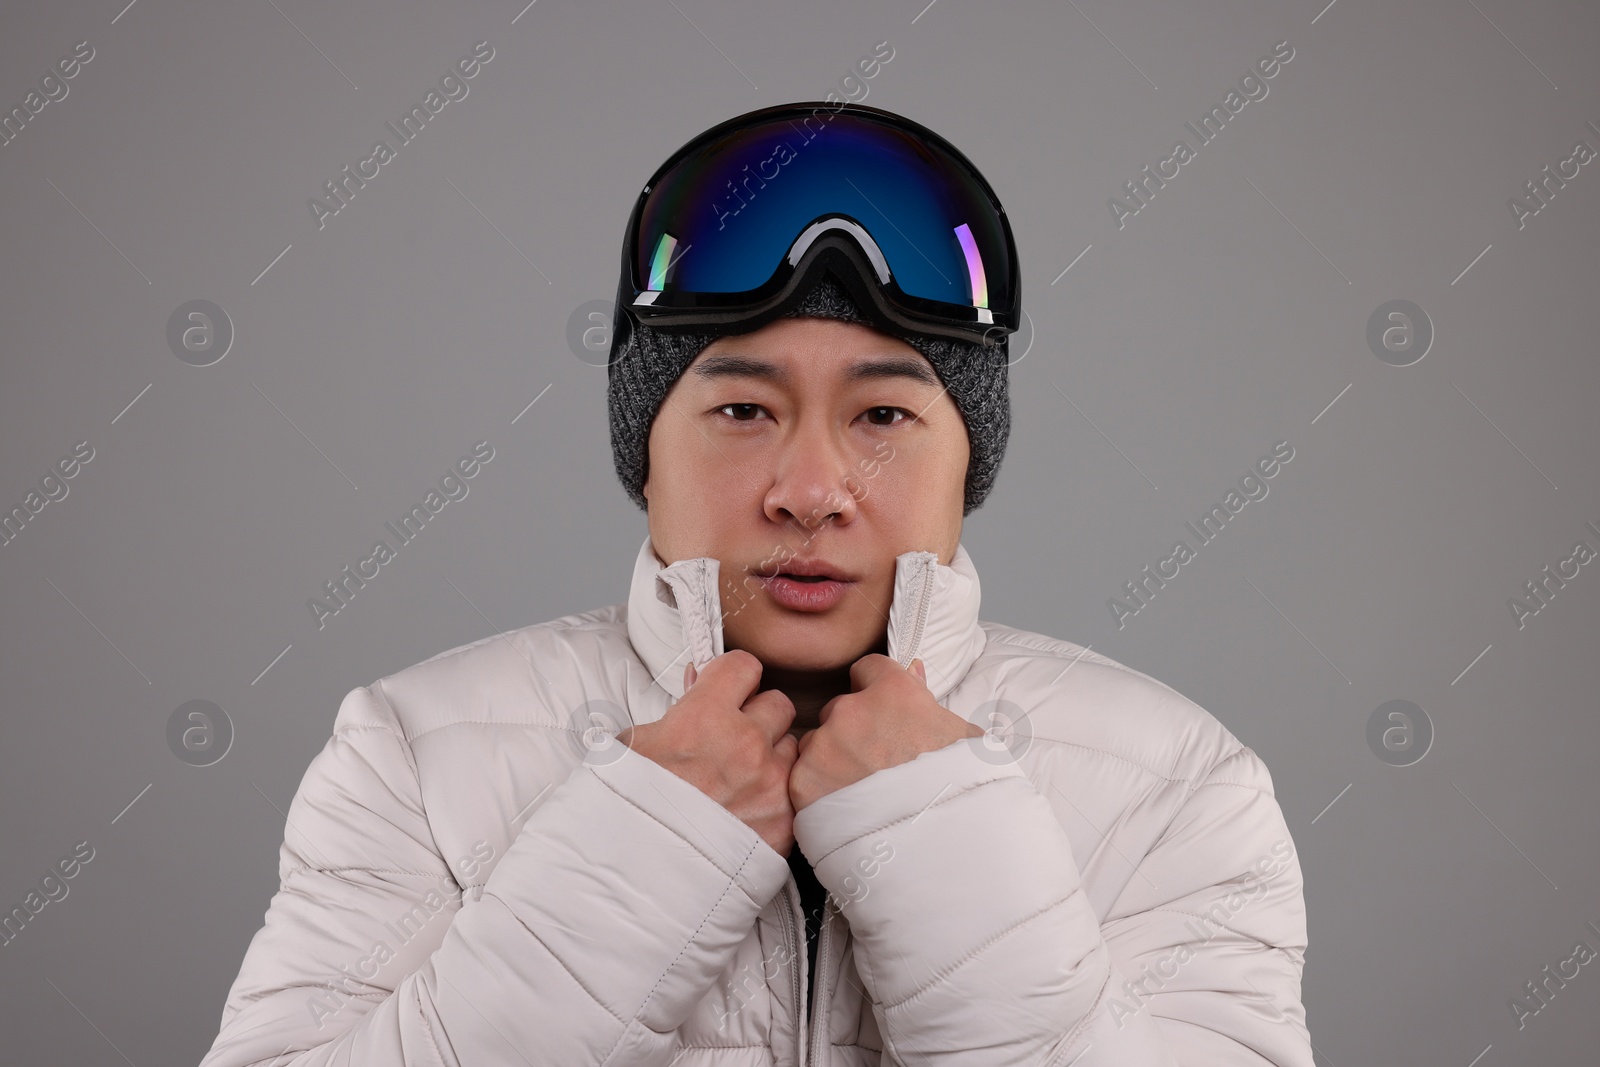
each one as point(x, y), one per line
point(675, 616)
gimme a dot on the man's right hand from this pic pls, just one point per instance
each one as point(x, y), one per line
point(732, 746)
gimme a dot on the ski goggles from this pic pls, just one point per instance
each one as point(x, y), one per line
point(738, 223)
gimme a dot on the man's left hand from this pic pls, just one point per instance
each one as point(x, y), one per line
point(889, 717)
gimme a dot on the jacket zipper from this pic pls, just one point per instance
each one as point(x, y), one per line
point(923, 602)
point(794, 976)
point(819, 984)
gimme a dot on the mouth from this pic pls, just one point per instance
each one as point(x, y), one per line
point(813, 570)
point(806, 585)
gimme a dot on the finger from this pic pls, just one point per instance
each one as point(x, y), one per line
point(689, 675)
point(826, 710)
point(920, 669)
point(732, 676)
point(772, 711)
point(803, 741)
point(787, 750)
point(866, 669)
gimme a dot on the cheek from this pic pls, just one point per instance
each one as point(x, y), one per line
point(918, 496)
point(872, 607)
point(960, 456)
point(939, 456)
point(684, 468)
point(920, 481)
point(699, 502)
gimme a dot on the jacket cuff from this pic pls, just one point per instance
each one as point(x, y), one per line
point(960, 886)
point(711, 829)
point(903, 793)
point(641, 886)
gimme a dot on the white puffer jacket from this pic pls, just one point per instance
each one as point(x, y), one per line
point(472, 874)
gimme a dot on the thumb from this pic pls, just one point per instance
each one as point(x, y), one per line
point(787, 750)
point(920, 669)
point(689, 675)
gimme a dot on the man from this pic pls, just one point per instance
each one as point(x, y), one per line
point(1030, 854)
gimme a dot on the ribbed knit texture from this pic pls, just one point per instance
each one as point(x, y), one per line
point(639, 378)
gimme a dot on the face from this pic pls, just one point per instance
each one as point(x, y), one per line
point(811, 445)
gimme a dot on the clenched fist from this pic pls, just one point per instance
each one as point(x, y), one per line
point(732, 746)
point(889, 717)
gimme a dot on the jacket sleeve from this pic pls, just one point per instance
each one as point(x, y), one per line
point(608, 918)
point(977, 944)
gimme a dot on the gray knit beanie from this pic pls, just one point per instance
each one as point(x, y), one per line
point(640, 376)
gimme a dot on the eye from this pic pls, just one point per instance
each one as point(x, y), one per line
point(885, 416)
point(741, 412)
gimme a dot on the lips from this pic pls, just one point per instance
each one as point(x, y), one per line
point(807, 585)
point(814, 569)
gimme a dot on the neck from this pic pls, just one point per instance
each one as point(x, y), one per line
point(808, 691)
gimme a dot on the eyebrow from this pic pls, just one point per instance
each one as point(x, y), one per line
point(747, 367)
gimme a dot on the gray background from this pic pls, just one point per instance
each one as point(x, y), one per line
point(1225, 317)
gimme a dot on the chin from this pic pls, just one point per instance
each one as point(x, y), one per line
point(794, 642)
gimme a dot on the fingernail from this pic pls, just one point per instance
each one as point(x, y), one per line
point(689, 675)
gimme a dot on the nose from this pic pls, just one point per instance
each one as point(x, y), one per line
point(812, 482)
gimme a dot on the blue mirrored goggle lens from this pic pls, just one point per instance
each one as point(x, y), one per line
point(722, 219)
